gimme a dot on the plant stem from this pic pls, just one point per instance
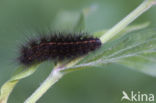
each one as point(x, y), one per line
point(53, 77)
point(127, 20)
point(6, 91)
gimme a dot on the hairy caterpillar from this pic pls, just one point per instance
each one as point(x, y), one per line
point(57, 46)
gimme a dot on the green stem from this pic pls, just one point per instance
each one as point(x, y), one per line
point(127, 20)
point(53, 77)
point(6, 90)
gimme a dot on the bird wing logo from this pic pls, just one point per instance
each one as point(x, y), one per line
point(125, 96)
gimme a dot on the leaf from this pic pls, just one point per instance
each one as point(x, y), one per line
point(20, 73)
point(131, 28)
point(136, 50)
point(67, 21)
point(128, 29)
point(71, 20)
point(80, 25)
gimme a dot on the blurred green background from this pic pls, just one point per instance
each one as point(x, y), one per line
point(19, 17)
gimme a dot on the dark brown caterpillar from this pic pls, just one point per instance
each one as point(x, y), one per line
point(57, 46)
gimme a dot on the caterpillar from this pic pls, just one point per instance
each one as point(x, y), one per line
point(57, 46)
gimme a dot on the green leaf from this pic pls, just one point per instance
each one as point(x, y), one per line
point(71, 20)
point(20, 73)
point(129, 29)
point(67, 21)
point(80, 25)
point(136, 50)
